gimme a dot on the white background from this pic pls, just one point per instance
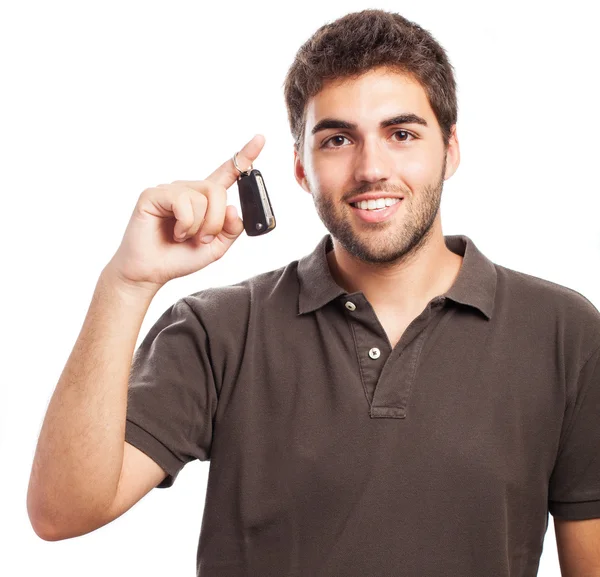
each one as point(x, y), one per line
point(102, 100)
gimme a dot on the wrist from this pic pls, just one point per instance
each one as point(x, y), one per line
point(128, 288)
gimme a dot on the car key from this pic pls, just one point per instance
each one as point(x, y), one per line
point(257, 212)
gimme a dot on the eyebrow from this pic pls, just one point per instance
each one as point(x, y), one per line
point(408, 118)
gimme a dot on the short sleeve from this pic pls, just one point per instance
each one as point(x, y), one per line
point(574, 489)
point(172, 396)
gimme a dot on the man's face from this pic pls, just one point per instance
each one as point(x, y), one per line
point(403, 159)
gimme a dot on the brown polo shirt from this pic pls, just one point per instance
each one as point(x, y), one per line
point(332, 454)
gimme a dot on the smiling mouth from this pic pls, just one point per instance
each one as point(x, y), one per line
point(375, 215)
point(374, 205)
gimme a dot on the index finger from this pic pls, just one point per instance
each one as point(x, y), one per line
point(227, 173)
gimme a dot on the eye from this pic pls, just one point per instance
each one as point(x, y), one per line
point(404, 132)
point(332, 138)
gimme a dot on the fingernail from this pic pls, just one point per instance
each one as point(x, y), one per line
point(206, 239)
point(181, 235)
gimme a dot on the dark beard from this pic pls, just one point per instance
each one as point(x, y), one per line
point(392, 245)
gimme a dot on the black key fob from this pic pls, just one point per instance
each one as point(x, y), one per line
point(257, 213)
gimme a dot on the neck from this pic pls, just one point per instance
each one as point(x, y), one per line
point(407, 285)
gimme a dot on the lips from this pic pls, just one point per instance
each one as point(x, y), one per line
point(377, 215)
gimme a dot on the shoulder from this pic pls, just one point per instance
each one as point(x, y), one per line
point(563, 307)
point(548, 293)
point(235, 301)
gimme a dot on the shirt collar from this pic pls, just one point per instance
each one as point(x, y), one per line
point(474, 286)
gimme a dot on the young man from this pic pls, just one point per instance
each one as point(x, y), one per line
point(393, 403)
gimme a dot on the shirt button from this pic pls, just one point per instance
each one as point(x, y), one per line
point(374, 353)
point(350, 306)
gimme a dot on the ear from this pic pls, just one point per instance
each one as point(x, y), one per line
point(299, 171)
point(452, 154)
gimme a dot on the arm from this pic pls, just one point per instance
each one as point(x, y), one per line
point(79, 455)
point(578, 544)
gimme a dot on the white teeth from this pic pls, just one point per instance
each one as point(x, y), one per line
point(375, 204)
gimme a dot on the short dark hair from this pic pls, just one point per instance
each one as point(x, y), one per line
point(362, 41)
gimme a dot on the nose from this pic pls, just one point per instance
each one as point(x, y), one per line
point(372, 162)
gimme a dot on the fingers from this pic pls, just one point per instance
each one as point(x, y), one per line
point(183, 210)
point(200, 206)
point(233, 225)
point(213, 214)
point(199, 212)
point(227, 173)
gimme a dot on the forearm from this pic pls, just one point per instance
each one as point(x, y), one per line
point(79, 454)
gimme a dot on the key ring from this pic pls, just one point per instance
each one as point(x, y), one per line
point(242, 172)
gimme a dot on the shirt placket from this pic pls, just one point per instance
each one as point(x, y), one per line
point(387, 375)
